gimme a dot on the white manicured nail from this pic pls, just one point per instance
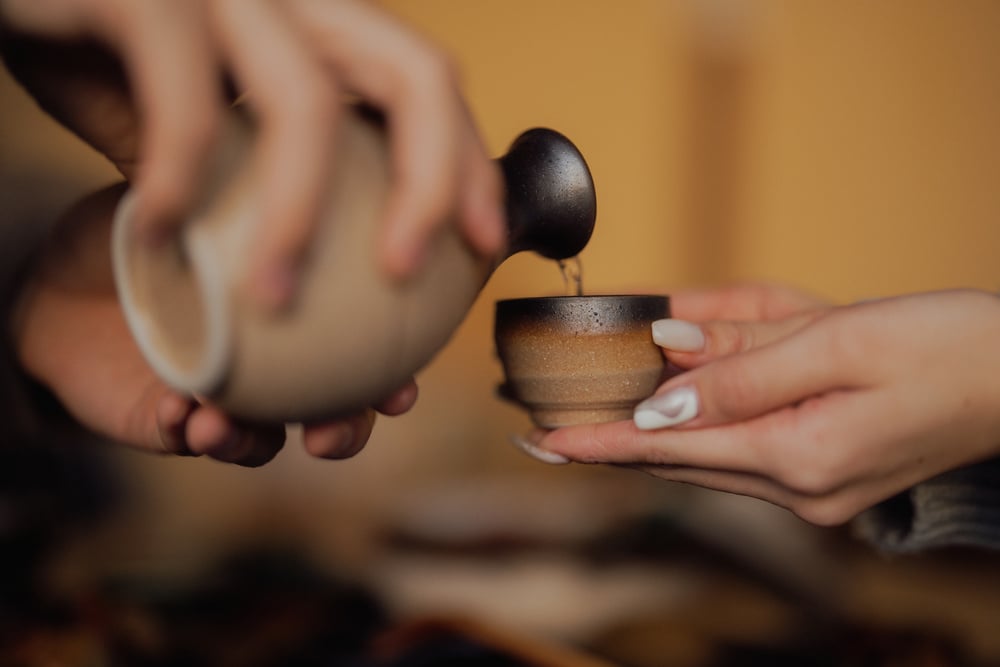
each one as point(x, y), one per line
point(534, 452)
point(678, 335)
point(669, 409)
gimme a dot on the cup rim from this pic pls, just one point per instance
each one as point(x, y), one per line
point(216, 354)
point(567, 298)
point(620, 307)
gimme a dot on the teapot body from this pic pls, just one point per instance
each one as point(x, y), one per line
point(352, 335)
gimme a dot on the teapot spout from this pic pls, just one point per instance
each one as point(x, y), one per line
point(551, 202)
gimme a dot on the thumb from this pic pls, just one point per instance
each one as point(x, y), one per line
point(766, 377)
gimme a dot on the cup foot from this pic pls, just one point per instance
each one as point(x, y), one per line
point(550, 418)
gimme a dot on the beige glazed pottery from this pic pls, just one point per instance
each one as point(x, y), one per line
point(579, 359)
point(353, 335)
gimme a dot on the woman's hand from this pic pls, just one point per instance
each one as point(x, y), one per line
point(144, 83)
point(825, 411)
point(70, 335)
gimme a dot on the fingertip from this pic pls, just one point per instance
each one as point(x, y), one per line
point(211, 433)
point(401, 401)
point(174, 161)
point(483, 219)
point(678, 335)
point(486, 232)
point(173, 409)
point(363, 427)
point(403, 255)
point(330, 441)
point(423, 202)
point(274, 286)
point(159, 208)
point(172, 413)
point(341, 439)
point(530, 446)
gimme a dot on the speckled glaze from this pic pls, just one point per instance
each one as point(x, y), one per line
point(353, 335)
point(579, 359)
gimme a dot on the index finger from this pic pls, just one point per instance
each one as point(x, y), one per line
point(752, 301)
point(172, 67)
point(735, 447)
point(809, 362)
point(297, 104)
point(690, 344)
point(409, 79)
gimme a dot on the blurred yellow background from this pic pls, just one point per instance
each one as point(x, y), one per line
point(851, 148)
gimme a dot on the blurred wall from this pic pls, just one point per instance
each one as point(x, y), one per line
point(847, 147)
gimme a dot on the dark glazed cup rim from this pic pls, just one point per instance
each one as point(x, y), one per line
point(637, 304)
point(603, 309)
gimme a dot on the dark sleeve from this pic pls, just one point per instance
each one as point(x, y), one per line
point(957, 508)
point(30, 201)
point(18, 414)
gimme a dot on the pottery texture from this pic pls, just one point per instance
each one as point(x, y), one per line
point(579, 360)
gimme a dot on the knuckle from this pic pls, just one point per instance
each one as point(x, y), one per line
point(823, 472)
point(737, 393)
point(721, 338)
point(313, 102)
point(194, 124)
point(808, 476)
point(321, 448)
point(203, 128)
point(850, 346)
point(807, 472)
point(428, 72)
point(307, 100)
point(825, 512)
point(163, 189)
point(731, 337)
point(438, 67)
point(813, 462)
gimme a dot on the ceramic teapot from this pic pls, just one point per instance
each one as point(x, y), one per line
point(353, 335)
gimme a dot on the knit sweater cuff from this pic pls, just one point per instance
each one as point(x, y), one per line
point(957, 508)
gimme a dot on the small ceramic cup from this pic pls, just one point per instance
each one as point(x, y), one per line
point(579, 359)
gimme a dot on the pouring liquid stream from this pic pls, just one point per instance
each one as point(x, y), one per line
point(572, 274)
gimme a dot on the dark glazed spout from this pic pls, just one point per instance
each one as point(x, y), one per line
point(551, 203)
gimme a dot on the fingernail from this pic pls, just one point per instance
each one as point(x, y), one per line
point(535, 452)
point(678, 335)
point(674, 407)
point(344, 446)
point(174, 409)
point(153, 226)
point(233, 447)
point(415, 257)
point(275, 287)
